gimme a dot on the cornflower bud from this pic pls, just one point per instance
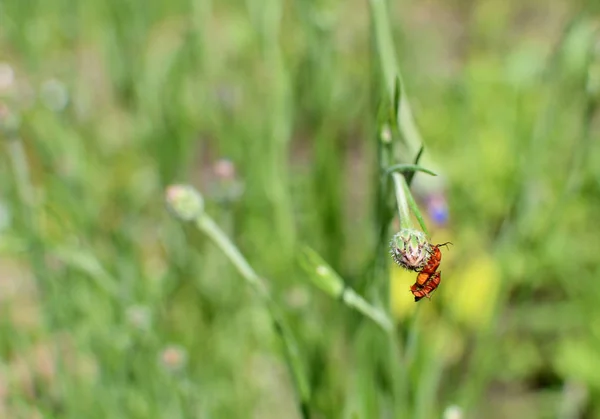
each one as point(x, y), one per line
point(184, 201)
point(410, 249)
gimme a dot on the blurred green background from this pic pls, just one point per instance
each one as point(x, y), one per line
point(110, 308)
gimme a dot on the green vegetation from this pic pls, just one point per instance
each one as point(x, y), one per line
point(277, 297)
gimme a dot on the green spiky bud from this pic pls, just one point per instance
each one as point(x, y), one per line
point(410, 249)
point(184, 201)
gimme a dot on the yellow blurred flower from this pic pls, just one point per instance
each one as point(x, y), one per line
point(471, 291)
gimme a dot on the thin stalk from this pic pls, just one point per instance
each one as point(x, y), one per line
point(411, 140)
point(414, 207)
point(398, 372)
point(28, 207)
point(393, 84)
point(406, 203)
point(214, 232)
point(385, 44)
point(401, 194)
point(391, 73)
point(20, 167)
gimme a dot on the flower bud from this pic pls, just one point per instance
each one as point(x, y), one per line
point(139, 317)
point(227, 188)
point(385, 134)
point(410, 249)
point(453, 412)
point(54, 95)
point(184, 201)
point(224, 169)
point(173, 358)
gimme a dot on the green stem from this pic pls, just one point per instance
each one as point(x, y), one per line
point(414, 207)
point(28, 208)
point(391, 73)
point(385, 44)
point(393, 84)
point(214, 232)
point(406, 203)
point(290, 348)
point(402, 201)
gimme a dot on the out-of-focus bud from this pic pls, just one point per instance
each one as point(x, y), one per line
point(54, 94)
point(321, 274)
point(385, 134)
point(453, 412)
point(173, 358)
point(410, 249)
point(227, 188)
point(224, 169)
point(139, 317)
point(184, 201)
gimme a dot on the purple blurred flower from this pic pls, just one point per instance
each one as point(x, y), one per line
point(227, 188)
point(437, 208)
point(224, 169)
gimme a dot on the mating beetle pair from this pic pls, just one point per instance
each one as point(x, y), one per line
point(413, 252)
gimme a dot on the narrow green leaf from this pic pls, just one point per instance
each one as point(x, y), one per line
point(410, 176)
point(409, 168)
